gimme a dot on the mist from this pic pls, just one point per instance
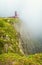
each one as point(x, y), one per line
point(29, 11)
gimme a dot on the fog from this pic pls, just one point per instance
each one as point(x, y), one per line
point(29, 11)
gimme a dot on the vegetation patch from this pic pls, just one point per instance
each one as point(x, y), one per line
point(16, 59)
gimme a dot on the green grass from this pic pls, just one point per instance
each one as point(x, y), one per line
point(8, 35)
point(16, 59)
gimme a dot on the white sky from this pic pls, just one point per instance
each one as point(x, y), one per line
point(29, 10)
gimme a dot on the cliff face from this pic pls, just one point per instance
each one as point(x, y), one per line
point(27, 44)
point(17, 26)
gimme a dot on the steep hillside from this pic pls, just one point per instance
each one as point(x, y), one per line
point(9, 37)
point(13, 50)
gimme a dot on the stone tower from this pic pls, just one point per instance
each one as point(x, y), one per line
point(16, 14)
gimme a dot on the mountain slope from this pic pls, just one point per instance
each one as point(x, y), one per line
point(9, 39)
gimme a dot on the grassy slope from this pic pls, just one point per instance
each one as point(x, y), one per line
point(15, 59)
point(8, 35)
point(11, 58)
